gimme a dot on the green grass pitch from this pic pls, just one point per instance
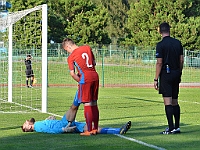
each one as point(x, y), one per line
point(143, 106)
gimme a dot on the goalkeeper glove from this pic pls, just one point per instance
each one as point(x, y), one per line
point(69, 129)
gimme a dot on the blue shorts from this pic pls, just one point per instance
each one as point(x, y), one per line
point(76, 102)
point(79, 125)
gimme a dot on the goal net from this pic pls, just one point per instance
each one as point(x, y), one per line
point(22, 33)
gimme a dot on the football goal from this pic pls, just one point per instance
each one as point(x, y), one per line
point(23, 33)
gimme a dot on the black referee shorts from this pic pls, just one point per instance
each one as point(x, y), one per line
point(169, 83)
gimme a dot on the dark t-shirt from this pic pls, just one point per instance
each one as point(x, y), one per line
point(169, 49)
point(28, 65)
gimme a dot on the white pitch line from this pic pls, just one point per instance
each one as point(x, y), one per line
point(140, 142)
point(189, 102)
point(130, 139)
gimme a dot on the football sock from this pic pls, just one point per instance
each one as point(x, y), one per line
point(169, 115)
point(27, 82)
point(88, 117)
point(95, 112)
point(176, 112)
point(31, 82)
point(110, 131)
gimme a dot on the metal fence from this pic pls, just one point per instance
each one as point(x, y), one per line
point(126, 54)
point(128, 66)
point(116, 65)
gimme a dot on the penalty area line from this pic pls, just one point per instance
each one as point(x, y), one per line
point(140, 142)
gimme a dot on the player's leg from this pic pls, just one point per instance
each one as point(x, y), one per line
point(32, 78)
point(95, 109)
point(166, 90)
point(121, 130)
point(71, 113)
point(176, 113)
point(88, 115)
point(84, 95)
point(27, 82)
point(92, 116)
point(176, 107)
point(169, 112)
point(28, 76)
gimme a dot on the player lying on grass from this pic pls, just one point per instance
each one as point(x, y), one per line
point(52, 125)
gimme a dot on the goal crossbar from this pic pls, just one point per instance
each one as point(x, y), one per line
point(12, 18)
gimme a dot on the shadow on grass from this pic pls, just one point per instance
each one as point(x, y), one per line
point(187, 139)
point(150, 135)
point(144, 100)
point(132, 117)
point(9, 128)
point(31, 141)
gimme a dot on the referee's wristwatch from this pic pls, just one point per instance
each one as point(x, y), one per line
point(156, 80)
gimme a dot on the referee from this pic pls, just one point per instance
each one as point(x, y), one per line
point(29, 71)
point(169, 65)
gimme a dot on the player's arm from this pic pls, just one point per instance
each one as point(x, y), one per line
point(94, 62)
point(74, 75)
point(158, 70)
point(181, 58)
point(181, 66)
point(72, 69)
point(158, 67)
point(181, 62)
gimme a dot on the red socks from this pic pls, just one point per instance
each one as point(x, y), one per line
point(92, 116)
point(95, 119)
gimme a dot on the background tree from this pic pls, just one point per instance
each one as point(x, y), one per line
point(117, 17)
point(194, 10)
point(73, 18)
point(145, 16)
point(86, 22)
point(56, 21)
point(27, 31)
point(133, 22)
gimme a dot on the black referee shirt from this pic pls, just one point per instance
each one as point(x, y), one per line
point(169, 49)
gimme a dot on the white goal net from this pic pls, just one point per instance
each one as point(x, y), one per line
point(22, 33)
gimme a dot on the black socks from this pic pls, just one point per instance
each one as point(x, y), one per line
point(176, 112)
point(169, 115)
point(170, 112)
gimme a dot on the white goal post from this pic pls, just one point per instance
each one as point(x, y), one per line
point(7, 22)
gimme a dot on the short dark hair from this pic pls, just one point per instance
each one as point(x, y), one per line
point(32, 120)
point(28, 55)
point(164, 27)
point(67, 41)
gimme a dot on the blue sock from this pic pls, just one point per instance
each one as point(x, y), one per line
point(110, 131)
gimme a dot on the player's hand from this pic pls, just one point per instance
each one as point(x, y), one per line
point(180, 77)
point(156, 85)
point(51, 118)
point(69, 129)
point(68, 125)
point(78, 75)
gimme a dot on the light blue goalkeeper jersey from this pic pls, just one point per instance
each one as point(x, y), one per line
point(55, 126)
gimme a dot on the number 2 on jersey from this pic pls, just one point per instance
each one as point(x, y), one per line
point(86, 57)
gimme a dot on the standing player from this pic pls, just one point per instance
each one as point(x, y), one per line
point(88, 79)
point(29, 71)
point(169, 65)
